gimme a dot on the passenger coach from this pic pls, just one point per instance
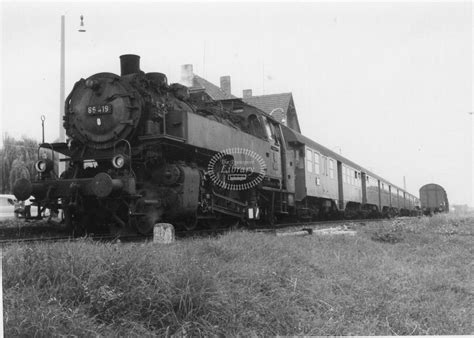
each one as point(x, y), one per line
point(327, 184)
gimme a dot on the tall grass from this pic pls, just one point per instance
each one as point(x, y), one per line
point(248, 284)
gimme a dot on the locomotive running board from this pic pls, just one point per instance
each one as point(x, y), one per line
point(159, 137)
point(60, 147)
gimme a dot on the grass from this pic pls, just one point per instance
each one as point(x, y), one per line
point(244, 283)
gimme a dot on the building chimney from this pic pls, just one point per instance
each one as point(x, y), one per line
point(246, 93)
point(187, 75)
point(225, 84)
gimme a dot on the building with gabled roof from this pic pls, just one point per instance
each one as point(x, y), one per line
point(280, 106)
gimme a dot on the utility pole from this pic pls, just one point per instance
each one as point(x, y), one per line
point(62, 86)
point(62, 80)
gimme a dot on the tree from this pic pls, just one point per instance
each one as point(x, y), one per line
point(18, 159)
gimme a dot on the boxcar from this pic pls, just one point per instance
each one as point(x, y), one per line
point(433, 199)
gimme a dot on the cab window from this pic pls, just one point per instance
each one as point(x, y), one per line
point(254, 126)
point(270, 131)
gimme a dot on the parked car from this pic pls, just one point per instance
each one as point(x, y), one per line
point(8, 205)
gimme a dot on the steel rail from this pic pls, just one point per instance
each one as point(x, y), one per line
point(190, 233)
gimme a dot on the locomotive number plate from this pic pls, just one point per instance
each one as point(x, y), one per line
point(99, 109)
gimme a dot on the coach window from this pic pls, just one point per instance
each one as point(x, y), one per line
point(316, 163)
point(331, 168)
point(309, 160)
point(325, 165)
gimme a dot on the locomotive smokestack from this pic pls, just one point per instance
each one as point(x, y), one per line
point(129, 64)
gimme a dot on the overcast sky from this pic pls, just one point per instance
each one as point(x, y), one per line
point(389, 85)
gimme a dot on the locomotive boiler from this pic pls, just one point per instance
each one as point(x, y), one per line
point(139, 150)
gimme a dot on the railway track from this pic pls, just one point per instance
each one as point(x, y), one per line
point(99, 238)
point(275, 229)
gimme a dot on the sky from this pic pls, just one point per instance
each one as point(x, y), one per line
point(386, 84)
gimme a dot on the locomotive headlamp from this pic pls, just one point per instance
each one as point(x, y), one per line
point(118, 161)
point(43, 166)
point(40, 166)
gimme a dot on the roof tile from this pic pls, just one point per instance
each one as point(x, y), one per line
point(268, 103)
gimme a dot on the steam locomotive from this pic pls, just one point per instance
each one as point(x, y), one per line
point(141, 151)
